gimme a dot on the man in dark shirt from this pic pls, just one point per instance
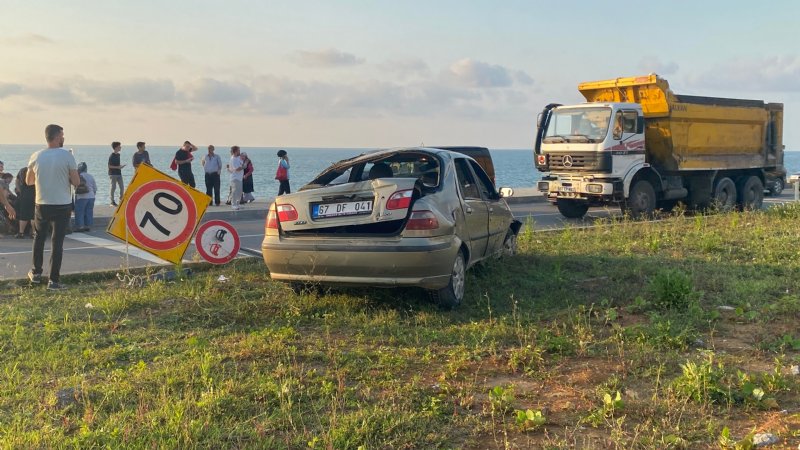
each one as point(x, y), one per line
point(183, 157)
point(141, 155)
point(115, 172)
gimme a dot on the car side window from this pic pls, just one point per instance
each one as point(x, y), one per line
point(465, 180)
point(484, 184)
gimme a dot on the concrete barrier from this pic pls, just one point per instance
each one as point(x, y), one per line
point(258, 209)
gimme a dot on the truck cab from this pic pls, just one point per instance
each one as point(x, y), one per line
point(592, 147)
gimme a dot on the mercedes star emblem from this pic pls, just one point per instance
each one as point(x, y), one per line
point(567, 161)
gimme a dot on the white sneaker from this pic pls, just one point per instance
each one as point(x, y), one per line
point(235, 207)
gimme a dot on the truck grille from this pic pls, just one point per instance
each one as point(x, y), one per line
point(580, 161)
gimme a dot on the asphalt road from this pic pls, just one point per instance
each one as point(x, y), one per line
point(98, 251)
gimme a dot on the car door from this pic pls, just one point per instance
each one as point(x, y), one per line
point(475, 210)
point(497, 210)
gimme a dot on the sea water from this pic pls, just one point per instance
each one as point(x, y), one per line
point(513, 167)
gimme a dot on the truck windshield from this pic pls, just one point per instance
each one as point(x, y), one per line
point(578, 125)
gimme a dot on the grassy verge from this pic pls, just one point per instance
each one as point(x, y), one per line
point(675, 334)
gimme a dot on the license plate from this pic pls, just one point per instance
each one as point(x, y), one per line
point(341, 209)
point(566, 189)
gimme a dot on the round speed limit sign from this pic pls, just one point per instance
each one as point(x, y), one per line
point(161, 215)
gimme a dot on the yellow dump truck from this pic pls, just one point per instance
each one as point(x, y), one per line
point(636, 144)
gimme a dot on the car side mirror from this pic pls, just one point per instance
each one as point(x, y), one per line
point(506, 192)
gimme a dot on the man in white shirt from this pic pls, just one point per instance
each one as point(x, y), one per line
point(237, 175)
point(53, 171)
point(212, 165)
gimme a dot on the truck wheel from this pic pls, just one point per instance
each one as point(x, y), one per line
point(725, 194)
point(641, 201)
point(751, 193)
point(572, 209)
point(451, 295)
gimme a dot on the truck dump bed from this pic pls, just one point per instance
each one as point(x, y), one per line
point(685, 132)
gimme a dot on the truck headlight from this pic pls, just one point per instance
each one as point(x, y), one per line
point(594, 188)
point(544, 186)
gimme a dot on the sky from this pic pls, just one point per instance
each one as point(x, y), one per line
point(368, 74)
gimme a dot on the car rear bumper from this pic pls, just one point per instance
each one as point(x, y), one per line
point(423, 262)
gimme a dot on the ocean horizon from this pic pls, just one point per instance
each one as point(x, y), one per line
point(513, 167)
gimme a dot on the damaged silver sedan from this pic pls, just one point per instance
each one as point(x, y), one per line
point(398, 217)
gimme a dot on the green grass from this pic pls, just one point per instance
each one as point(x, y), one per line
point(606, 337)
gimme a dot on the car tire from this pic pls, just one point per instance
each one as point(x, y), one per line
point(777, 188)
point(451, 295)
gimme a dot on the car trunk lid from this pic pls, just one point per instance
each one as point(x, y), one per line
point(352, 205)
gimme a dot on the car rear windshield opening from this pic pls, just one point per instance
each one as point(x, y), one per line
point(422, 166)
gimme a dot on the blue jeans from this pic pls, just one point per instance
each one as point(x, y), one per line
point(84, 212)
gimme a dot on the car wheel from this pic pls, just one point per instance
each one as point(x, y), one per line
point(451, 295)
point(777, 188)
point(509, 244)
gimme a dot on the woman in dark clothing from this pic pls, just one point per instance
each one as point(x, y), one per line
point(26, 199)
point(247, 180)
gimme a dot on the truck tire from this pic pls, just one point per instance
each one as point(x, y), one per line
point(572, 209)
point(725, 194)
point(641, 201)
point(751, 193)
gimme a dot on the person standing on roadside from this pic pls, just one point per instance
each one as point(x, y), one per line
point(26, 203)
point(141, 156)
point(53, 171)
point(212, 166)
point(282, 174)
point(247, 179)
point(8, 208)
point(115, 172)
point(237, 171)
point(184, 158)
point(84, 200)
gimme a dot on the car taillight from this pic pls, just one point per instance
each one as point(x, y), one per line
point(400, 200)
point(286, 213)
point(272, 218)
point(422, 220)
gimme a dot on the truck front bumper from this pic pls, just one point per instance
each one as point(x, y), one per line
point(589, 189)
